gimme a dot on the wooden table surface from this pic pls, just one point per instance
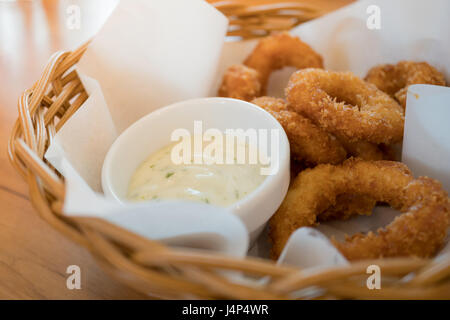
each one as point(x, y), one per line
point(33, 256)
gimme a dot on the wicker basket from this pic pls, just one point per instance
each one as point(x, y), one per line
point(154, 269)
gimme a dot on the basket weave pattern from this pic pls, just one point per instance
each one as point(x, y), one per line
point(254, 21)
point(151, 267)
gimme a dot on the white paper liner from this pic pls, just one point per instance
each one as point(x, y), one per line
point(426, 146)
point(152, 53)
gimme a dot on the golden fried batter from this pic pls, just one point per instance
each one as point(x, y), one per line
point(307, 141)
point(345, 105)
point(419, 231)
point(394, 79)
point(278, 51)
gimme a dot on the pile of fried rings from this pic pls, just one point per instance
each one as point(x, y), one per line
point(343, 132)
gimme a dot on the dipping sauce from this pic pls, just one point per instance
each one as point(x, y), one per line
point(159, 177)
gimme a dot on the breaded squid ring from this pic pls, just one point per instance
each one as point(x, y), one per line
point(394, 79)
point(345, 105)
point(278, 51)
point(420, 231)
point(347, 205)
point(240, 82)
point(307, 141)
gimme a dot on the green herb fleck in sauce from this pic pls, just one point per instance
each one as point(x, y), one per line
point(169, 174)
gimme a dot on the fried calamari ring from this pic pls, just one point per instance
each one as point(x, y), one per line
point(346, 105)
point(419, 231)
point(240, 82)
point(313, 153)
point(394, 79)
point(307, 141)
point(278, 51)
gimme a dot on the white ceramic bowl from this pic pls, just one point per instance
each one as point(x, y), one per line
point(152, 132)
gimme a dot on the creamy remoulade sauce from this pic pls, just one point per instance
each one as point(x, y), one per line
point(159, 177)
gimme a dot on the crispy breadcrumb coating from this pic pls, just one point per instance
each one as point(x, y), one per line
point(240, 82)
point(307, 141)
point(394, 79)
point(419, 231)
point(346, 105)
point(278, 51)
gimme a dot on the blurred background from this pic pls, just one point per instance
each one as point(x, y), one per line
point(34, 257)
